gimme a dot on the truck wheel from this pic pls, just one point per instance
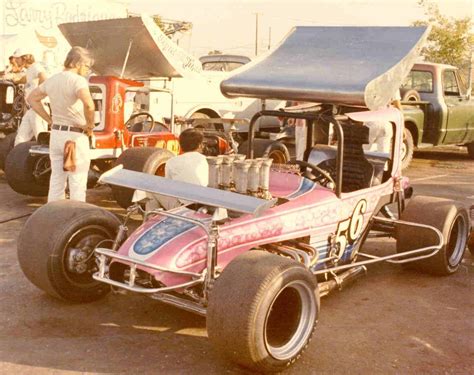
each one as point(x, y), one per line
point(470, 150)
point(6, 145)
point(262, 311)
point(265, 148)
point(60, 260)
point(450, 218)
point(28, 174)
point(470, 244)
point(407, 149)
point(411, 96)
point(141, 159)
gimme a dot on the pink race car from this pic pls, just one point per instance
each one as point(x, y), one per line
point(256, 250)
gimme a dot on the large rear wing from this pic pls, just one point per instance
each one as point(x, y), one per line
point(133, 47)
point(338, 65)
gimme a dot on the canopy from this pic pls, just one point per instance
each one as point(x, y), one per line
point(350, 65)
point(151, 54)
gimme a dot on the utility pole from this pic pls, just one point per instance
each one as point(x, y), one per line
point(269, 37)
point(256, 34)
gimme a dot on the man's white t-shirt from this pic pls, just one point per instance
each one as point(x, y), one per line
point(62, 89)
point(32, 79)
point(189, 167)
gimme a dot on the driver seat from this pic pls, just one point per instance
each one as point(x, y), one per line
point(357, 171)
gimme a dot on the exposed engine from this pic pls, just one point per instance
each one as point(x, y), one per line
point(237, 174)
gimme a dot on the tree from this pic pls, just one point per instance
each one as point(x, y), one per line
point(451, 40)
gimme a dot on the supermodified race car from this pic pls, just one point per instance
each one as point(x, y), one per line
point(256, 250)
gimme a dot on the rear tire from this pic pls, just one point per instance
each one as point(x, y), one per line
point(265, 148)
point(20, 167)
point(262, 311)
point(46, 256)
point(450, 217)
point(6, 145)
point(470, 150)
point(141, 159)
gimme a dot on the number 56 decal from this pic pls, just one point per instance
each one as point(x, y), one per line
point(349, 229)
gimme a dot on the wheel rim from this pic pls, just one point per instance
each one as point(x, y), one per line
point(42, 170)
point(160, 171)
point(456, 241)
point(83, 243)
point(278, 157)
point(286, 332)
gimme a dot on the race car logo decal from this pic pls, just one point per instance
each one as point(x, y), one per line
point(350, 229)
point(117, 103)
point(159, 234)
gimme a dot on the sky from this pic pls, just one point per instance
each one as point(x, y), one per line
point(230, 25)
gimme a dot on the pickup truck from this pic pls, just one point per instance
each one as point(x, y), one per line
point(438, 109)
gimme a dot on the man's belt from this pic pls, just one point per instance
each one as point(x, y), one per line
point(66, 128)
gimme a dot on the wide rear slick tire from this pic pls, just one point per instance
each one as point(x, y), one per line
point(49, 258)
point(20, 167)
point(141, 159)
point(262, 311)
point(450, 218)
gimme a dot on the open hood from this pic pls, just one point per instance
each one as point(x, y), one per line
point(350, 65)
point(152, 53)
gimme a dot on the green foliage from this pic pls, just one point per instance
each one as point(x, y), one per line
point(450, 41)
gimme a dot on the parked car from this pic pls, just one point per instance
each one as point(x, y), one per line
point(222, 62)
point(12, 108)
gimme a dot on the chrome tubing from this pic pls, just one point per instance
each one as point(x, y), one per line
point(394, 258)
point(180, 303)
point(339, 281)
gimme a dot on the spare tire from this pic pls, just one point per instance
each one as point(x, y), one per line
point(411, 96)
point(141, 159)
point(266, 148)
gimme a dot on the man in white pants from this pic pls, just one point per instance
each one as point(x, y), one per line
point(73, 120)
point(31, 124)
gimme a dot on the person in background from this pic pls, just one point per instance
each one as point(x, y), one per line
point(73, 121)
point(31, 124)
point(14, 71)
point(381, 133)
point(191, 166)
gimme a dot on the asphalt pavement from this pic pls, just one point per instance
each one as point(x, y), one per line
point(391, 321)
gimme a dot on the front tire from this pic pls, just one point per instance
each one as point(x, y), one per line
point(59, 260)
point(141, 159)
point(6, 145)
point(28, 174)
point(262, 311)
point(408, 148)
point(450, 217)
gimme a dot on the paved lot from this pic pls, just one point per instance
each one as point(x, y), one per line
point(390, 322)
